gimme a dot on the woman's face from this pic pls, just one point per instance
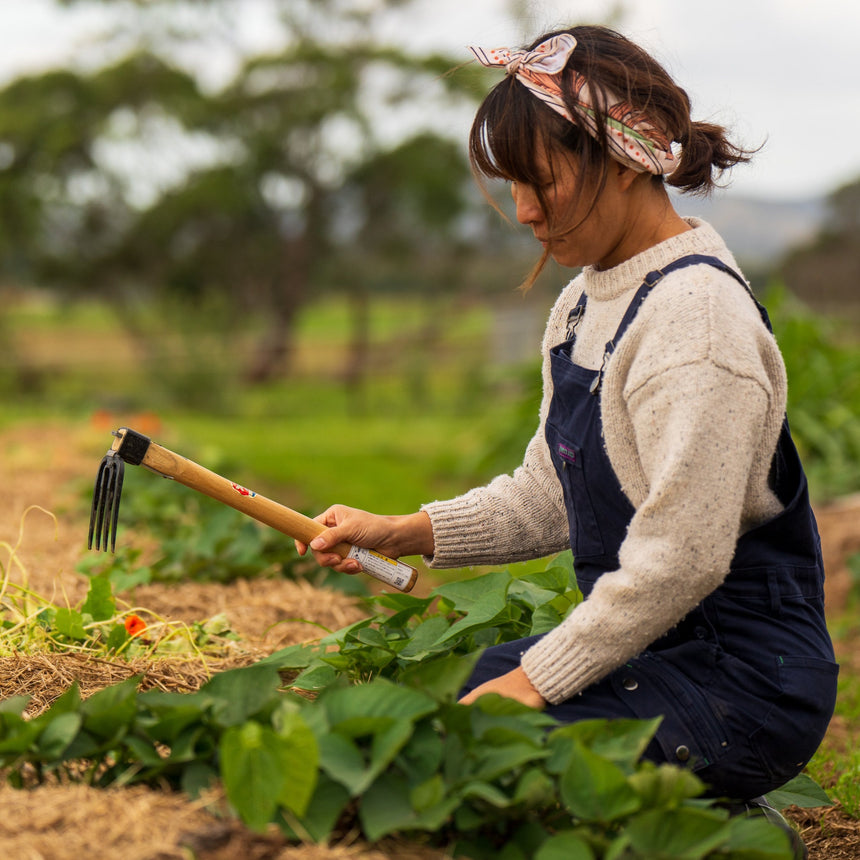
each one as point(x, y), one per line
point(575, 232)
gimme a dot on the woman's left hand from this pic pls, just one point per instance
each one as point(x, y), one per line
point(513, 685)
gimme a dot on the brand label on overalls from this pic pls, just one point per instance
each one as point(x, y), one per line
point(566, 453)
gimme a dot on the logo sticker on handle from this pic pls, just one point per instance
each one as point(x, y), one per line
point(243, 491)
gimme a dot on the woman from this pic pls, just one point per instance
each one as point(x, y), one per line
point(663, 459)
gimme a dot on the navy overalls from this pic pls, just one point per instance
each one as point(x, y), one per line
point(746, 682)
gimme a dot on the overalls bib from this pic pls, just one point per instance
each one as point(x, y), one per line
point(746, 682)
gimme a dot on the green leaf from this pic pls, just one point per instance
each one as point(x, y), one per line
point(327, 803)
point(620, 740)
point(665, 786)
point(425, 636)
point(802, 791)
point(252, 773)
point(564, 846)
point(117, 637)
point(298, 755)
point(368, 707)
point(292, 657)
point(262, 769)
point(343, 761)
point(596, 789)
point(756, 838)
point(239, 694)
point(442, 677)
point(58, 735)
point(316, 677)
point(686, 834)
point(100, 602)
point(70, 623)
point(465, 594)
point(107, 713)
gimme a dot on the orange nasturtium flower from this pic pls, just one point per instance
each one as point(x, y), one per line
point(134, 625)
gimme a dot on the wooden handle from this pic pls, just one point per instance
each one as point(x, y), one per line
point(270, 513)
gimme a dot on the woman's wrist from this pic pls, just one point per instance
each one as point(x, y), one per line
point(414, 533)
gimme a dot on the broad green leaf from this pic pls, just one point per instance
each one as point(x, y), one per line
point(594, 788)
point(535, 789)
point(117, 637)
point(343, 761)
point(802, 791)
point(757, 838)
point(198, 778)
point(428, 794)
point(491, 762)
point(252, 772)
point(15, 705)
point(298, 755)
point(486, 792)
point(425, 636)
point(442, 677)
point(239, 694)
point(100, 602)
point(316, 677)
point(466, 594)
point(489, 611)
point(327, 803)
point(144, 752)
point(262, 768)
point(686, 834)
point(293, 657)
point(385, 808)
point(58, 735)
point(69, 622)
point(621, 741)
point(373, 704)
point(107, 713)
point(665, 786)
point(564, 846)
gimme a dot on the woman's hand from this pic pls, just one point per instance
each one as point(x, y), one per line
point(394, 536)
point(513, 685)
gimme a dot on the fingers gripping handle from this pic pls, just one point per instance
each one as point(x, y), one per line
point(297, 526)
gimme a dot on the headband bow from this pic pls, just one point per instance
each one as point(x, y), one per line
point(633, 139)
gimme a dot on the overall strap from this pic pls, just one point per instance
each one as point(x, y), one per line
point(650, 281)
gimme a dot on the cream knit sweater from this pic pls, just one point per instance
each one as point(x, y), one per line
point(692, 404)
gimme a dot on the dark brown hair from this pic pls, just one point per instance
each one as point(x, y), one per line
point(511, 122)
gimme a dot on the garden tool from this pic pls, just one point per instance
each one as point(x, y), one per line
point(132, 447)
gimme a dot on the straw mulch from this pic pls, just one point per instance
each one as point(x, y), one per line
point(75, 821)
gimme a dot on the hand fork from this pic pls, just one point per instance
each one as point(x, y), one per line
point(132, 447)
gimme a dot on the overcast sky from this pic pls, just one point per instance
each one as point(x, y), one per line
point(782, 72)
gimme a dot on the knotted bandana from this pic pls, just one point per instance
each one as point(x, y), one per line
point(633, 139)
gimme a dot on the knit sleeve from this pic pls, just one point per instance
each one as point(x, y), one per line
point(514, 518)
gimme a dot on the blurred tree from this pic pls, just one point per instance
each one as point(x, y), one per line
point(142, 181)
point(825, 273)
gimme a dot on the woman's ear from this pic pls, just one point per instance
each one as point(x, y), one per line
point(626, 175)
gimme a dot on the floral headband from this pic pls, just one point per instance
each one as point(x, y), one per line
point(633, 139)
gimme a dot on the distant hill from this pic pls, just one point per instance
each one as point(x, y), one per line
point(757, 230)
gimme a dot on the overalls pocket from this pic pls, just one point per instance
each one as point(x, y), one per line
point(569, 461)
point(799, 719)
point(691, 733)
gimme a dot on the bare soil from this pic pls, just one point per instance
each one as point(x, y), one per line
point(45, 472)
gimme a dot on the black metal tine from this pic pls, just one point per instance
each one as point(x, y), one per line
point(115, 495)
point(104, 513)
point(103, 500)
point(97, 505)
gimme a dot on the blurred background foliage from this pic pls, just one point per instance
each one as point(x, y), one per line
point(284, 251)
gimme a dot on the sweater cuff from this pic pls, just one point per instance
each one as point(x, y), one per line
point(541, 665)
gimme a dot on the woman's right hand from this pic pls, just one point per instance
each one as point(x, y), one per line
point(393, 536)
